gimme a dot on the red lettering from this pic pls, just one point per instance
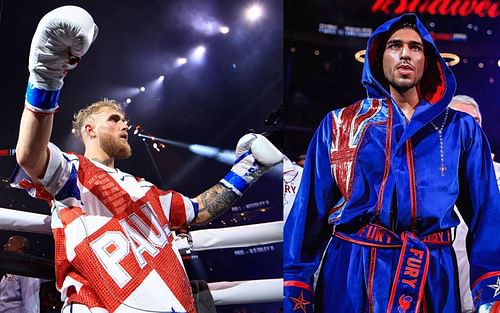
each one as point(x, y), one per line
point(379, 236)
point(371, 233)
point(439, 5)
point(493, 10)
point(410, 282)
point(467, 8)
point(382, 5)
point(418, 253)
point(425, 6)
point(413, 6)
point(480, 8)
point(410, 271)
point(412, 262)
point(454, 8)
point(400, 9)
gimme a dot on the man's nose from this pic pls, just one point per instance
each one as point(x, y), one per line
point(405, 52)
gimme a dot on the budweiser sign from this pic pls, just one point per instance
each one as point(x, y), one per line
point(481, 8)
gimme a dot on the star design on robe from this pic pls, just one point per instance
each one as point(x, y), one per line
point(300, 302)
point(496, 287)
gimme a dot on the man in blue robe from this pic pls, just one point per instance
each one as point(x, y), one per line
point(375, 204)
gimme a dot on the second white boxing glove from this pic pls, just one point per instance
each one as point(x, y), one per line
point(62, 37)
point(255, 155)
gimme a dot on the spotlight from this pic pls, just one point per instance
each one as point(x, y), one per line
point(156, 147)
point(200, 50)
point(198, 53)
point(253, 13)
point(180, 61)
point(137, 129)
point(142, 89)
point(224, 29)
point(73, 131)
point(161, 78)
point(128, 101)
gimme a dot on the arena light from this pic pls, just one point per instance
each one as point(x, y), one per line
point(224, 29)
point(137, 129)
point(128, 101)
point(198, 54)
point(142, 89)
point(254, 12)
point(161, 78)
point(180, 61)
point(451, 59)
point(360, 56)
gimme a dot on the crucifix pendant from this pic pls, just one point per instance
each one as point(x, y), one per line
point(442, 168)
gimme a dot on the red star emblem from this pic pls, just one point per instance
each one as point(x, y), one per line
point(300, 302)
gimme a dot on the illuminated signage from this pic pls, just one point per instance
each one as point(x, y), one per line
point(481, 8)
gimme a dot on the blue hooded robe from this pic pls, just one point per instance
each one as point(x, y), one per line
point(375, 204)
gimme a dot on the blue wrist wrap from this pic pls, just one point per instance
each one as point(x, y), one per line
point(42, 100)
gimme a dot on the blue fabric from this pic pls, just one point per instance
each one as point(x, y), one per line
point(233, 180)
point(44, 100)
point(70, 188)
point(366, 164)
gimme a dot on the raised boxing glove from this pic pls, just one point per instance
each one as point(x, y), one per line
point(62, 37)
point(255, 155)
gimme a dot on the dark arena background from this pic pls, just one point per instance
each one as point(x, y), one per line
point(199, 74)
point(322, 37)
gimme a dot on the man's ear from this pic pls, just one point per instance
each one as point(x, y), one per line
point(89, 130)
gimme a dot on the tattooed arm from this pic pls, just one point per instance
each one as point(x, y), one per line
point(254, 156)
point(213, 203)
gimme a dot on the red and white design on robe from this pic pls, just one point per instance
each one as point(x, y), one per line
point(348, 126)
point(113, 243)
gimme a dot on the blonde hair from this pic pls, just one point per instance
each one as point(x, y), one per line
point(81, 116)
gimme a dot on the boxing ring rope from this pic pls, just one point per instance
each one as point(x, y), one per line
point(16, 220)
point(223, 293)
point(244, 292)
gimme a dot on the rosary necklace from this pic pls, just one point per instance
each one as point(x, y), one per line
point(439, 130)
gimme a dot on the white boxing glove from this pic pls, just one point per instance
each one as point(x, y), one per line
point(255, 155)
point(62, 37)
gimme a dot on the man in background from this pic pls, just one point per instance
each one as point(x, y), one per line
point(19, 294)
point(468, 105)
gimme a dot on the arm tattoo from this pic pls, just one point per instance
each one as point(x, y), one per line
point(216, 201)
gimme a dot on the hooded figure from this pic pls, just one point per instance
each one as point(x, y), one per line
point(370, 229)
